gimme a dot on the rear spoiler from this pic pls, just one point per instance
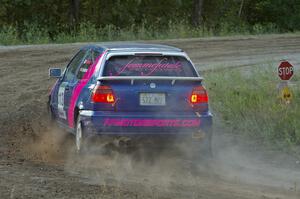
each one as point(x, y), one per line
point(133, 78)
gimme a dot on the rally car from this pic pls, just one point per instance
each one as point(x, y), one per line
point(131, 89)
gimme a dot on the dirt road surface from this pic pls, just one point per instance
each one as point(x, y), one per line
point(37, 159)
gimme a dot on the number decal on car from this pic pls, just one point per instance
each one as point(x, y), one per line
point(61, 100)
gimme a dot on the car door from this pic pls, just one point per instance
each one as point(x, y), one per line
point(67, 84)
point(74, 90)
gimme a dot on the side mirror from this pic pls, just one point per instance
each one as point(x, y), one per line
point(88, 62)
point(55, 72)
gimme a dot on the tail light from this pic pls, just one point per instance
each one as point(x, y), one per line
point(199, 95)
point(103, 94)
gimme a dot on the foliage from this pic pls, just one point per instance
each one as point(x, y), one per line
point(87, 32)
point(51, 20)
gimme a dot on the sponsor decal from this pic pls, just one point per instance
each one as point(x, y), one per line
point(147, 69)
point(84, 70)
point(151, 122)
point(61, 101)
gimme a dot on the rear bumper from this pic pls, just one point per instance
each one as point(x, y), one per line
point(125, 123)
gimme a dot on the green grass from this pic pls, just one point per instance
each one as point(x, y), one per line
point(247, 103)
point(87, 32)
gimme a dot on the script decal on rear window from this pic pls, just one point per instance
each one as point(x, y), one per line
point(147, 69)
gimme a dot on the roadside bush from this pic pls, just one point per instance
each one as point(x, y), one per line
point(31, 33)
point(8, 35)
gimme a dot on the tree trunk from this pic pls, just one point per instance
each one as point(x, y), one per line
point(241, 8)
point(74, 12)
point(198, 8)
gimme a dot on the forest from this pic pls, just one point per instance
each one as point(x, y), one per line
point(46, 21)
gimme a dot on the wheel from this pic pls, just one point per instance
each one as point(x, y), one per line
point(202, 154)
point(79, 136)
point(207, 144)
point(51, 116)
point(202, 149)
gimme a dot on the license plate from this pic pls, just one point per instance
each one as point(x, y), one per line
point(152, 99)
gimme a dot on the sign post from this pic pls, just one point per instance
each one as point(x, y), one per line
point(285, 73)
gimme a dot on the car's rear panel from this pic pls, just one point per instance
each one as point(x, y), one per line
point(145, 102)
point(136, 97)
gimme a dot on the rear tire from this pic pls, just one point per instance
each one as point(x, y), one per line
point(79, 136)
point(202, 153)
point(207, 145)
point(51, 117)
point(202, 149)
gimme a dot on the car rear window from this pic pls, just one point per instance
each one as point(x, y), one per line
point(149, 66)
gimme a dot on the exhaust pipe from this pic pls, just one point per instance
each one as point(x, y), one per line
point(123, 142)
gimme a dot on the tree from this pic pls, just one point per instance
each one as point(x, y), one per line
point(74, 12)
point(198, 9)
point(241, 8)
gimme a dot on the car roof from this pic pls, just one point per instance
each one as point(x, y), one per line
point(130, 47)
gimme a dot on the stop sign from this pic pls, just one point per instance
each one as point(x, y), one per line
point(285, 70)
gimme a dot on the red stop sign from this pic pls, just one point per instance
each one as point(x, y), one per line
point(285, 70)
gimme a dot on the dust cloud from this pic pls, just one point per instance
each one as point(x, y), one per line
point(167, 168)
point(170, 171)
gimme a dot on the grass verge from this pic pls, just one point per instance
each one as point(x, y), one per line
point(247, 102)
point(87, 32)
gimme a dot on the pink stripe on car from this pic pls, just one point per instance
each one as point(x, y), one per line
point(78, 88)
point(152, 122)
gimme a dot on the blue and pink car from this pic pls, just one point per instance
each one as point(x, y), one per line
point(131, 89)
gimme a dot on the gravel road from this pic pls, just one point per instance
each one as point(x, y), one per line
point(37, 159)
